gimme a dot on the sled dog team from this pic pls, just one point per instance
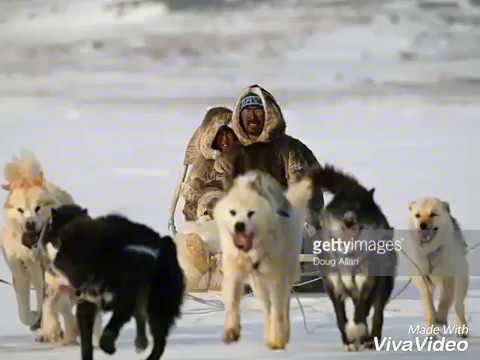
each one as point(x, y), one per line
point(253, 196)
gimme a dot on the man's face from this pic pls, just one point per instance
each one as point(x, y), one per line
point(253, 119)
point(225, 140)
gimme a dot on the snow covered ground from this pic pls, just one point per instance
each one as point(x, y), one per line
point(107, 93)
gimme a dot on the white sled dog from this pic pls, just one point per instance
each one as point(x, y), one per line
point(440, 253)
point(27, 209)
point(261, 230)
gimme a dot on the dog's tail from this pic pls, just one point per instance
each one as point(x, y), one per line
point(24, 170)
point(330, 179)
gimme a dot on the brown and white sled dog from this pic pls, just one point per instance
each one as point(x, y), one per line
point(27, 209)
point(260, 231)
point(439, 250)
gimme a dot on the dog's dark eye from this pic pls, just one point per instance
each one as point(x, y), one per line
point(233, 212)
point(20, 211)
point(417, 216)
point(37, 209)
point(432, 215)
point(250, 214)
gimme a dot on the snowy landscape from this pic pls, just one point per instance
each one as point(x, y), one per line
point(107, 93)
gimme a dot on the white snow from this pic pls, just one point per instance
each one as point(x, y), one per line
point(107, 99)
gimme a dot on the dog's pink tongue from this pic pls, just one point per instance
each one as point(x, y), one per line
point(243, 241)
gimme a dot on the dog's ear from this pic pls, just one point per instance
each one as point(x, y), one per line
point(411, 204)
point(371, 192)
point(84, 212)
point(446, 205)
point(257, 183)
point(262, 188)
point(6, 187)
point(39, 179)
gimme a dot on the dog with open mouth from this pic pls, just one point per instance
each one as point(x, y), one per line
point(260, 230)
point(123, 267)
point(439, 251)
point(27, 210)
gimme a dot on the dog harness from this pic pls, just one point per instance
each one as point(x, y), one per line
point(40, 251)
point(142, 249)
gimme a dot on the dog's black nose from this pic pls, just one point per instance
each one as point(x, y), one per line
point(30, 225)
point(240, 227)
point(423, 225)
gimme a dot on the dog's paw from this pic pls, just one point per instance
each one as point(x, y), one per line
point(107, 343)
point(464, 333)
point(352, 347)
point(231, 335)
point(368, 344)
point(440, 322)
point(141, 344)
point(41, 338)
point(50, 337)
point(276, 344)
point(356, 332)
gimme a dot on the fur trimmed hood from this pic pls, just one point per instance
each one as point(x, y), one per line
point(201, 142)
point(208, 200)
point(274, 123)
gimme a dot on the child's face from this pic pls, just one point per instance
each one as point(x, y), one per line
point(226, 140)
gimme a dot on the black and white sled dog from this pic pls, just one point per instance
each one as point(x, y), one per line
point(120, 266)
point(357, 267)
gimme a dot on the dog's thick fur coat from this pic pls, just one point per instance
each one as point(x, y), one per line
point(126, 268)
point(439, 251)
point(26, 211)
point(261, 231)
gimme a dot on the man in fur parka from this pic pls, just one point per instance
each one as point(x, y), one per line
point(257, 118)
